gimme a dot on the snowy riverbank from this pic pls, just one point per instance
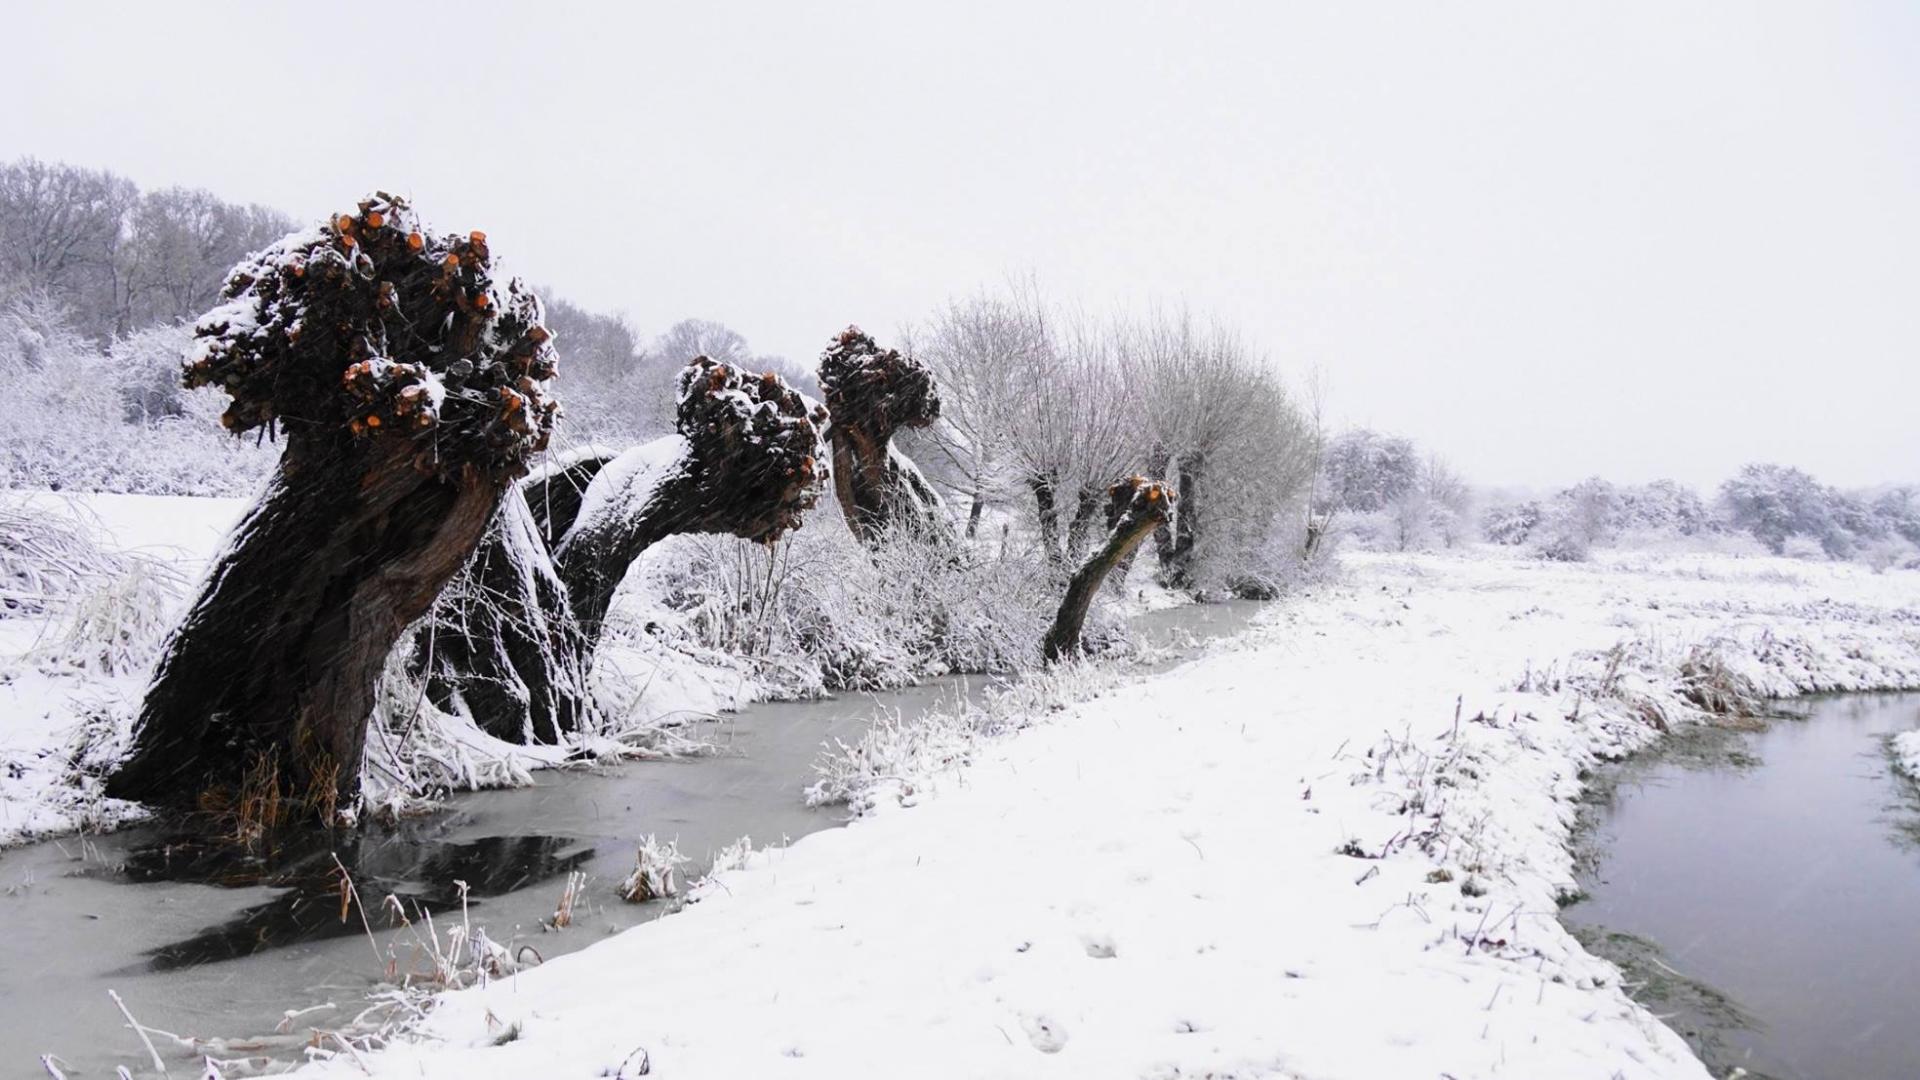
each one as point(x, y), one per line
point(1906, 754)
point(1332, 850)
point(90, 584)
point(76, 651)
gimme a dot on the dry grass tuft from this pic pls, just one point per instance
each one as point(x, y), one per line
point(653, 876)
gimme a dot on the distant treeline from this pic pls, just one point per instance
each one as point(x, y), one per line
point(99, 281)
point(114, 257)
point(1386, 494)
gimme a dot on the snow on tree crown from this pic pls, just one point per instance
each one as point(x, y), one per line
point(1137, 499)
point(867, 385)
point(370, 325)
point(758, 436)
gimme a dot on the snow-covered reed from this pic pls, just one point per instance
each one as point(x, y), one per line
point(656, 871)
point(116, 625)
point(46, 558)
point(818, 612)
point(897, 757)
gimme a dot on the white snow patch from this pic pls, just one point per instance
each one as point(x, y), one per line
point(628, 481)
point(1906, 753)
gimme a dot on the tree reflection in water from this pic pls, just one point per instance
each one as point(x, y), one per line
point(308, 908)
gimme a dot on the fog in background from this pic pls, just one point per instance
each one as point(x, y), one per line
point(1639, 239)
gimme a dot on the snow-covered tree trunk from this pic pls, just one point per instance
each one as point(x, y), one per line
point(745, 463)
point(1135, 508)
point(871, 394)
point(1178, 539)
point(1086, 505)
point(512, 644)
point(1046, 510)
point(554, 494)
point(502, 646)
point(411, 389)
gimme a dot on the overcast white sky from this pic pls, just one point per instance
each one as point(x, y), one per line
point(1639, 239)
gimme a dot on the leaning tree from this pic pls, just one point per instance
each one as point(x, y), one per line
point(501, 646)
point(745, 462)
point(873, 393)
point(512, 643)
point(410, 386)
point(1136, 507)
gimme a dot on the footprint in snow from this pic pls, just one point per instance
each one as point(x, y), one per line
point(1045, 1033)
point(1099, 946)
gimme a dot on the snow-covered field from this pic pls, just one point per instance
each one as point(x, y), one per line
point(1330, 850)
point(57, 699)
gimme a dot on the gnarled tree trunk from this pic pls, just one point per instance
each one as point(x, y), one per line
point(401, 442)
point(514, 644)
point(279, 659)
point(871, 394)
point(1178, 540)
point(502, 646)
point(1046, 510)
point(1136, 507)
point(1086, 504)
point(744, 463)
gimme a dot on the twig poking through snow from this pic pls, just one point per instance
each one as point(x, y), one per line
point(140, 1031)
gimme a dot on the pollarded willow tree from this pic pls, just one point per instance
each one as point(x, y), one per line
point(745, 462)
point(1073, 428)
point(1036, 409)
point(512, 643)
point(873, 393)
point(1136, 507)
point(984, 351)
point(411, 388)
point(1227, 433)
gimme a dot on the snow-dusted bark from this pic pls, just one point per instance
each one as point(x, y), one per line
point(746, 462)
point(502, 647)
point(1136, 507)
point(871, 394)
point(410, 387)
point(554, 493)
point(1176, 547)
point(512, 642)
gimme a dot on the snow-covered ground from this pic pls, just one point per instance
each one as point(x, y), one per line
point(1333, 849)
point(1906, 753)
point(58, 704)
